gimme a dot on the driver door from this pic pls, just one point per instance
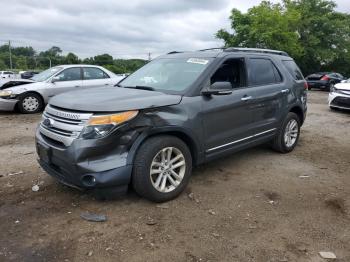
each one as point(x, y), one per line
point(67, 80)
point(227, 119)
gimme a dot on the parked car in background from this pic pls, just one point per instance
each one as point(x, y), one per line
point(339, 96)
point(28, 74)
point(31, 98)
point(179, 110)
point(323, 80)
point(7, 74)
point(123, 75)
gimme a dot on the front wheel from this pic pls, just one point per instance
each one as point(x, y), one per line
point(30, 103)
point(162, 168)
point(288, 135)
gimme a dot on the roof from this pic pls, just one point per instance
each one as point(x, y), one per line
point(77, 65)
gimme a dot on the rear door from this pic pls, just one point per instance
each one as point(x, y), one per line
point(270, 95)
point(95, 77)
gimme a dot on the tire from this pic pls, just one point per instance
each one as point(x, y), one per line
point(149, 156)
point(30, 103)
point(279, 143)
point(330, 87)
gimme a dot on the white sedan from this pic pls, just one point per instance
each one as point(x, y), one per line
point(31, 98)
point(339, 96)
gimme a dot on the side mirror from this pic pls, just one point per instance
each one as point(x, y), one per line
point(55, 79)
point(219, 89)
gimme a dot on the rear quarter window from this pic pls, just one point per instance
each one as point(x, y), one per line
point(293, 69)
point(263, 72)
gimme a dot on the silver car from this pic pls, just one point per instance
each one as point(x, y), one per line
point(31, 98)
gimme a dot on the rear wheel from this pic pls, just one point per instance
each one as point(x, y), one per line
point(288, 135)
point(331, 86)
point(162, 168)
point(30, 103)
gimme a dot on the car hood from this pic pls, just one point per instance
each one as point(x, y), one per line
point(113, 99)
point(27, 87)
point(20, 82)
point(343, 86)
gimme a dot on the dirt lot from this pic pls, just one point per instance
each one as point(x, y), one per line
point(252, 206)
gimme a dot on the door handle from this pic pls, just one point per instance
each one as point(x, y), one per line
point(76, 86)
point(246, 98)
point(285, 91)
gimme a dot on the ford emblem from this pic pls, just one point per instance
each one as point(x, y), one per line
point(48, 122)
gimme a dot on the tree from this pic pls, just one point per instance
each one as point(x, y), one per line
point(311, 31)
point(24, 58)
point(71, 59)
point(104, 59)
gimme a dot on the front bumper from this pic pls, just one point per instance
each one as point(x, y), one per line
point(7, 104)
point(339, 100)
point(85, 164)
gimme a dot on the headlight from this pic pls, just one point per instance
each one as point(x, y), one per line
point(5, 93)
point(100, 126)
point(334, 90)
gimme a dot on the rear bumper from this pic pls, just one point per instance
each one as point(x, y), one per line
point(85, 164)
point(318, 84)
point(337, 100)
point(7, 104)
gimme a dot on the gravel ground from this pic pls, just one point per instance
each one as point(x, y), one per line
point(256, 205)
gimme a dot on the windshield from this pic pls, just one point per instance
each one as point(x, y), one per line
point(168, 74)
point(46, 74)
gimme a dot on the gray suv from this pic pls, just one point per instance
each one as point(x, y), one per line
point(178, 111)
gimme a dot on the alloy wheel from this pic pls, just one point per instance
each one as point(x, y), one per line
point(167, 169)
point(291, 133)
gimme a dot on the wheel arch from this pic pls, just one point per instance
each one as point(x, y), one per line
point(299, 112)
point(180, 133)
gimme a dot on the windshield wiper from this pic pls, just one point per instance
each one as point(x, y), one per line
point(140, 87)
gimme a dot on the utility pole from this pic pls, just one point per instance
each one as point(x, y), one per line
point(10, 54)
point(149, 56)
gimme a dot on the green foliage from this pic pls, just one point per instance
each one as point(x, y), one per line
point(71, 59)
point(24, 58)
point(311, 31)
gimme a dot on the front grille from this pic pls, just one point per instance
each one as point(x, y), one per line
point(61, 125)
point(341, 102)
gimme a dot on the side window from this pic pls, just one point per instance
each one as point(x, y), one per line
point(233, 71)
point(70, 74)
point(293, 69)
point(91, 73)
point(263, 72)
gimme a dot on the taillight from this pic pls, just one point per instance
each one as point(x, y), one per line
point(306, 86)
point(325, 78)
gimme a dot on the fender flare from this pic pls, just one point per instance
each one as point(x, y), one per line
point(194, 146)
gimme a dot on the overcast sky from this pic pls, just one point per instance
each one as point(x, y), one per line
point(130, 28)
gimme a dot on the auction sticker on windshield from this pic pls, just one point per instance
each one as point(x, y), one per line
point(198, 61)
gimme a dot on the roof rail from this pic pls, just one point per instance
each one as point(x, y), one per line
point(174, 52)
point(213, 48)
point(255, 50)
